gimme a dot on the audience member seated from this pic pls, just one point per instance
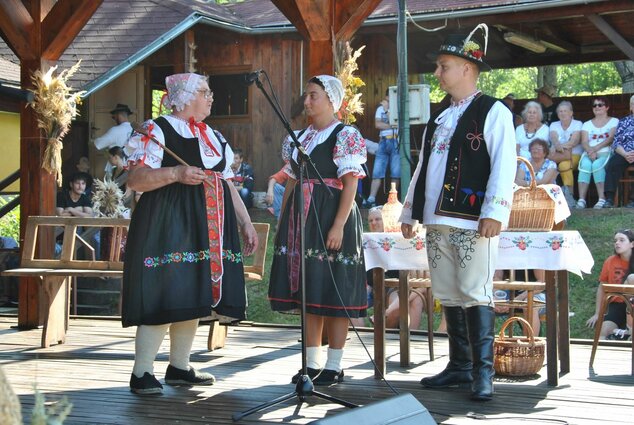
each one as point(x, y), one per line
point(566, 149)
point(74, 202)
point(83, 166)
point(118, 160)
point(596, 139)
point(545, 97)
point(538, 296)
point(617, 269)
point(243, 179)
point(533, 128)
point(417, 300)
point(509, 101)
point(275, 192)
point(545, 169)
point(622, 158)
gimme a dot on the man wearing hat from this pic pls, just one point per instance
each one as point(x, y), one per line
point(120, 133)
point(462, 192)
point(545, 96)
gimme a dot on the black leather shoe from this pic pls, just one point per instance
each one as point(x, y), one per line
point(312, 374)
point(328, 377)
point(608, 204)
point(145, 385)
point(175, 376)
point(447, 378)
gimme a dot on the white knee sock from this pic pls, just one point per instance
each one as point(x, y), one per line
point(333, 361)
point(181, 339)
point(146, 344)
point(313, 357)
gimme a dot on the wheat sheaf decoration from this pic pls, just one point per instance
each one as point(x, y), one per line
point(345, 67)
point(107, 199)
point(55, 104)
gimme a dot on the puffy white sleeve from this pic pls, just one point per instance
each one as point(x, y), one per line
point(406, 213)
point(350, 152)
point(141, 150)
point(498, 135)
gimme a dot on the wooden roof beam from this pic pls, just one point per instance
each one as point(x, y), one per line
point(612, 35)
point(62, 24)
point(16, 23)
point(317, 16)
point(349, 19)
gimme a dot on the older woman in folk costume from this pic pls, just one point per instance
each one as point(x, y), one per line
point(183, 255)
point(334, 262)
point(462, 192)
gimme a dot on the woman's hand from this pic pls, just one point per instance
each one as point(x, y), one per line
point(335, 237)
point(591, 321)
point(189, 175)
point(249, 238)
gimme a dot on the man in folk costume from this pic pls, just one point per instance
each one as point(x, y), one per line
point(462, 192)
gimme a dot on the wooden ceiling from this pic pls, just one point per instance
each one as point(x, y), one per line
point(594, 32)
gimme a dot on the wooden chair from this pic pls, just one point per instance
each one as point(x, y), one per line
point(255, 271)
point(626, 293)
point(418, 285)
point(624, 186)
point(515, 287)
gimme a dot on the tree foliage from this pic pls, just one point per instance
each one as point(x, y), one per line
point(572, 80)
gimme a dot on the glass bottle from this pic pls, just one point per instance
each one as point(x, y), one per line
point(391, 211)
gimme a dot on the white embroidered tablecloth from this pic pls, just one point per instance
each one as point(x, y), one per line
point(555, 250)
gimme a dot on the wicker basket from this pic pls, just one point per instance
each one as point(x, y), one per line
point(532, 208)
point(518, 356)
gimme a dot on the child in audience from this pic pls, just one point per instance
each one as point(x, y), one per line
point(617, 269)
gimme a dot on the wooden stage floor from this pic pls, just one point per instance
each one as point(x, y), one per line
point(93, 369)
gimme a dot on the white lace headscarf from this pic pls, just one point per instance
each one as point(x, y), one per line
point(334, 90)
point(181, 89)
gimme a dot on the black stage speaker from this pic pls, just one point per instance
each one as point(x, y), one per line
point(402, 409)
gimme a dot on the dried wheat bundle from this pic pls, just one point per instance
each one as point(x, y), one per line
point(10, 412)
point(54, 414)
point(345, 67)
point(55, 105)
point(107, 199)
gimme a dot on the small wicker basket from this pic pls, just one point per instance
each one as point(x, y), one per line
point(518, 356)
point(532, 210)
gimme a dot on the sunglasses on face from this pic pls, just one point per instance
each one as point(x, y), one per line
point(598, 105)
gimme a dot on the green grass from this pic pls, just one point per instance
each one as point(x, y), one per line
point(597, 228)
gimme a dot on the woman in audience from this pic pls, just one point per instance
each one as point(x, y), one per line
point(624, 149)
point(545, 169)
point(615, 271)
point(596, 139)
point(533, 128)
point(566, 150)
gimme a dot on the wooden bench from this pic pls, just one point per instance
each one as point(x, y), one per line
point(55, 273)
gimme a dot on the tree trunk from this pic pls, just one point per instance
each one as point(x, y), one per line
point(626, 72)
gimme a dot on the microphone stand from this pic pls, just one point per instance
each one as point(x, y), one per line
point(304, 386)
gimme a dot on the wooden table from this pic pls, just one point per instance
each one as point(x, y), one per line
point(557, 252)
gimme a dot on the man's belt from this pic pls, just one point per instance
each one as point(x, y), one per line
point(391, 136)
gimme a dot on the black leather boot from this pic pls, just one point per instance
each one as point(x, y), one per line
point(480, 321)
point(458, 370)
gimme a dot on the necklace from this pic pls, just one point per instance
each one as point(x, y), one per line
point(529, 135)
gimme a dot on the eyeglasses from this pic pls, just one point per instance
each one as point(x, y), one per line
point(598, 105)
point(207, 94)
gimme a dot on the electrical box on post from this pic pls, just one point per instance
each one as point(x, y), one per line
point(418, 104)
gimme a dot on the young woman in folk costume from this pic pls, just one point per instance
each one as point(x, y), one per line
point(336, 269)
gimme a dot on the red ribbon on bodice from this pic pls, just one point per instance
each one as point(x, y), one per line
point(202, 130)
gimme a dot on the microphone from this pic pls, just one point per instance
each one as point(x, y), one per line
point(251, 77)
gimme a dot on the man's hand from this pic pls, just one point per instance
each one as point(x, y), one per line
point(489, 228)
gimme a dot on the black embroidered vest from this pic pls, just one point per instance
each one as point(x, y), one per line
point(468, 165)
